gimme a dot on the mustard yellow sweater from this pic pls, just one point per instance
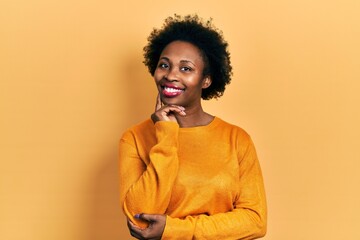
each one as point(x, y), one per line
point(207, 180)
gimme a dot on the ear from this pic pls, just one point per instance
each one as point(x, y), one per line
point(206, 82)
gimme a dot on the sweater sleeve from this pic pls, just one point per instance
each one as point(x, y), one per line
point(246, 221)
point(147, 188)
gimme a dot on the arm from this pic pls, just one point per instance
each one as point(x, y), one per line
point(246, 221)
point(147, 189)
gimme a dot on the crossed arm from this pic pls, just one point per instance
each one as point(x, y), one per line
point(147, 189)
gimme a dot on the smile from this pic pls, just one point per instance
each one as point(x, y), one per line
point(171, 92)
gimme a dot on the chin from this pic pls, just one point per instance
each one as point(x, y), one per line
point(172, 101)
point(169, 101)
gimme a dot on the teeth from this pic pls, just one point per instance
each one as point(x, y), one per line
point(172, 90)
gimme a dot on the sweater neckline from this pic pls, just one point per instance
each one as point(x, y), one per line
point(211, 125)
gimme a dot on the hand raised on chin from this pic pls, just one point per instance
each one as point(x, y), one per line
point(166, 112)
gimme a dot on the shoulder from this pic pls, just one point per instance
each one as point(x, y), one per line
point(232, 129)
point(236, 136)
point(242, 141)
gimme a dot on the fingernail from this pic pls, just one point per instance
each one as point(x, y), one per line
point(137, 216)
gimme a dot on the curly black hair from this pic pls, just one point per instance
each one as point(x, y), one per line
point(210, 41)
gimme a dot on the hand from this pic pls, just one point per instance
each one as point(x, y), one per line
point(155, 229)
point(166, 112)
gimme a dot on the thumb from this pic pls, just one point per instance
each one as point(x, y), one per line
point(147, 217)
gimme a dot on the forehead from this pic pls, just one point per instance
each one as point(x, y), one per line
point(180, 50)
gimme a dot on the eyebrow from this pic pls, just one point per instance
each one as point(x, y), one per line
point(182, 61)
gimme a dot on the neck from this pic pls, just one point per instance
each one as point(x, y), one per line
point(194, 118)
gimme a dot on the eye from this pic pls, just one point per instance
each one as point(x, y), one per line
point(186, 69)
point(163, 65)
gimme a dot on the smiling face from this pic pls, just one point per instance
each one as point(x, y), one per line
point(179, 74)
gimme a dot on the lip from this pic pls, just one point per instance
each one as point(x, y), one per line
point(170, 90)
point(169, 85)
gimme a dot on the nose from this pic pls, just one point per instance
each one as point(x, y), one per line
point(172, 75)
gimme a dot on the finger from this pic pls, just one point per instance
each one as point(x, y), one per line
point(158, 103)
point(134, 229)
point(148, 217)
point(135, 235)
point(156, 227)
point(132, 225)
point(180, 107)
point(168, 109)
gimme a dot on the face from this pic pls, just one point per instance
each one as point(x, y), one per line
point(179, 74)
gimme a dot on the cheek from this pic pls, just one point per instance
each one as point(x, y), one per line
point(195, 81)
point(158, 75)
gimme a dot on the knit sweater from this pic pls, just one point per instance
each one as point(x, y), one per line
point(206, 180)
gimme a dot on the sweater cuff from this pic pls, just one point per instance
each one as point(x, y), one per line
point(176, 228)
point(167, 132)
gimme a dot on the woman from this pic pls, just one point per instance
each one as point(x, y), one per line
point(184, 173)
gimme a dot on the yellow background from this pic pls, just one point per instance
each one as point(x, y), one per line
point(72, 80)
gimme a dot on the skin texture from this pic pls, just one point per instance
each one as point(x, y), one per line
point(203, 34)
point(180, 65)
point(153, 231)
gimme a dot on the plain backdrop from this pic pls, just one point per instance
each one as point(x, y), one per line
point(72, 80)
